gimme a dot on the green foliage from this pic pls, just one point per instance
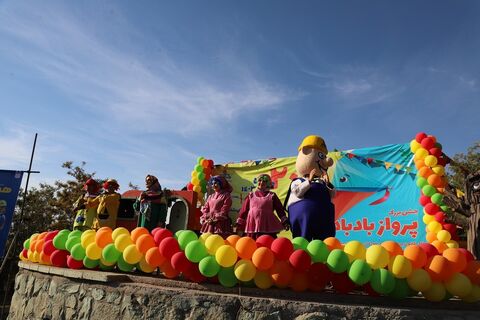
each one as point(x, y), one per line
point(464, 164)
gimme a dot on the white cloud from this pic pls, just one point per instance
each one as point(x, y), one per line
point(120, 85)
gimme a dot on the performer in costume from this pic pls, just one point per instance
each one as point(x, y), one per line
point(215, 217)
point(86, 206)
point(109, 201)
point(151, 205)
point(310, 207)
point(257, 215)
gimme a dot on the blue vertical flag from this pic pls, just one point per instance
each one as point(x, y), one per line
point(9, 186)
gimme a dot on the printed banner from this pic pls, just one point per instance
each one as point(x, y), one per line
point(9, 186)
point(376, 200)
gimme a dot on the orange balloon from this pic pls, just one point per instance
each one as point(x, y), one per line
point(45, 258)
point(393, 248)
point(104, 237)
point(245, 247)
point(232, 239)
point(441, 246)
point(263, 258)
point(281, 273)
point(425, 172)
point(42, 235)
point(299, 282)
point(154, 257)
point(137, 232)
point(435, 180)
point(456, 258)
point(431, 236)
point(416, 255)
point(145, 242)
point(333, 243)
point(168, 271)
point(439, 268)
point(419, 163)
point(39, 245)
point(472, 271)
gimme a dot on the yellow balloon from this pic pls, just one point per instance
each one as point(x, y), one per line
point(197, 188)
point(435, 293)
point(263, 280)
point(438, 170)
point(245, 270)
point(145, 267)
point(427, 218)
point(419, 280)
point(355, 250)
point(195, 182)
point(213, 243)
point(93, 252)
point(226, 256)
point(377, 256)
point(474, 295)
point(36, 257)
point(430, 161)
point(118, 231)
point(400, 266)
point(414, 145)
point(452, 244)
point(459, 285)
point(443, 235)
point(87, 237)
point(30, 255)
point(122, 241)
point(421, 153)
point(131, 254)
point(204, 237)
point(434, 226)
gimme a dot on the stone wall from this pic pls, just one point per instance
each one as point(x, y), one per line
point(43, 292)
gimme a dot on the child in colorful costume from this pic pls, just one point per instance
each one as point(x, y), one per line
point(109, 201)
point(256, 217)
point(215, 217)
point(310, 207)
point(86, 206)
point(151, 205)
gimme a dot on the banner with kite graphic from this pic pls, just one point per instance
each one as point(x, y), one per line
point(376, 200)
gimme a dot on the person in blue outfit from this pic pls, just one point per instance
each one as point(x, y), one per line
point(309, 204)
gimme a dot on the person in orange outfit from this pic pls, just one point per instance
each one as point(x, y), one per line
point(109, 201)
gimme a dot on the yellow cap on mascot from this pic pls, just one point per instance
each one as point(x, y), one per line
point(314, 142)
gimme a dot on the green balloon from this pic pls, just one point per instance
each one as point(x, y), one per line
point(429, 190)
point(199, 168)
point(226, 277)
point(123, 266)
point(382, 281)
point(178, 233)
point(201, 176)
point(199, 160)
point(421, 182)
point(209, 266)
point(26, 244)
point(89, 263)
point(77, 251)
point(64, 231)
point(195, 251)
point(300, 243)
point(318, 251)
point(59, 241)
point(437, 198)
point(360, 272)
point(104, 267)
point(110, 253)
point(337, 261)
point(401, 290)
point(186, 237)
point(75, 233)
point(71, 242)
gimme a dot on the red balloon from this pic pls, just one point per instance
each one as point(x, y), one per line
point(318, 276)
point(420, 136)
point(51, 235)
point(424, 200)
point(194, 275)
point(369, 290)
point(431, 208)
point(210, 164)
point(180, 262)
point(429, 249)
point(468, 255)
point(442, 161)
point(162, 234)
point(342, 283)
point(168, 247)
point(59, 258)
point(440, 216)
point(437, 152)
point(155, 230)
point(25, 253)
point(450, 227)
point(48, 247)
point(282, 248)
point(427, 143)
point(190, 186)
point(300, 260)
point(74, 264)
point(264, 241)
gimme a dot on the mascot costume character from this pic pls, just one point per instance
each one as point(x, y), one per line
point(309, 202)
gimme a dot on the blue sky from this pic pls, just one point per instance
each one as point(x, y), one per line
point(134, 88)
